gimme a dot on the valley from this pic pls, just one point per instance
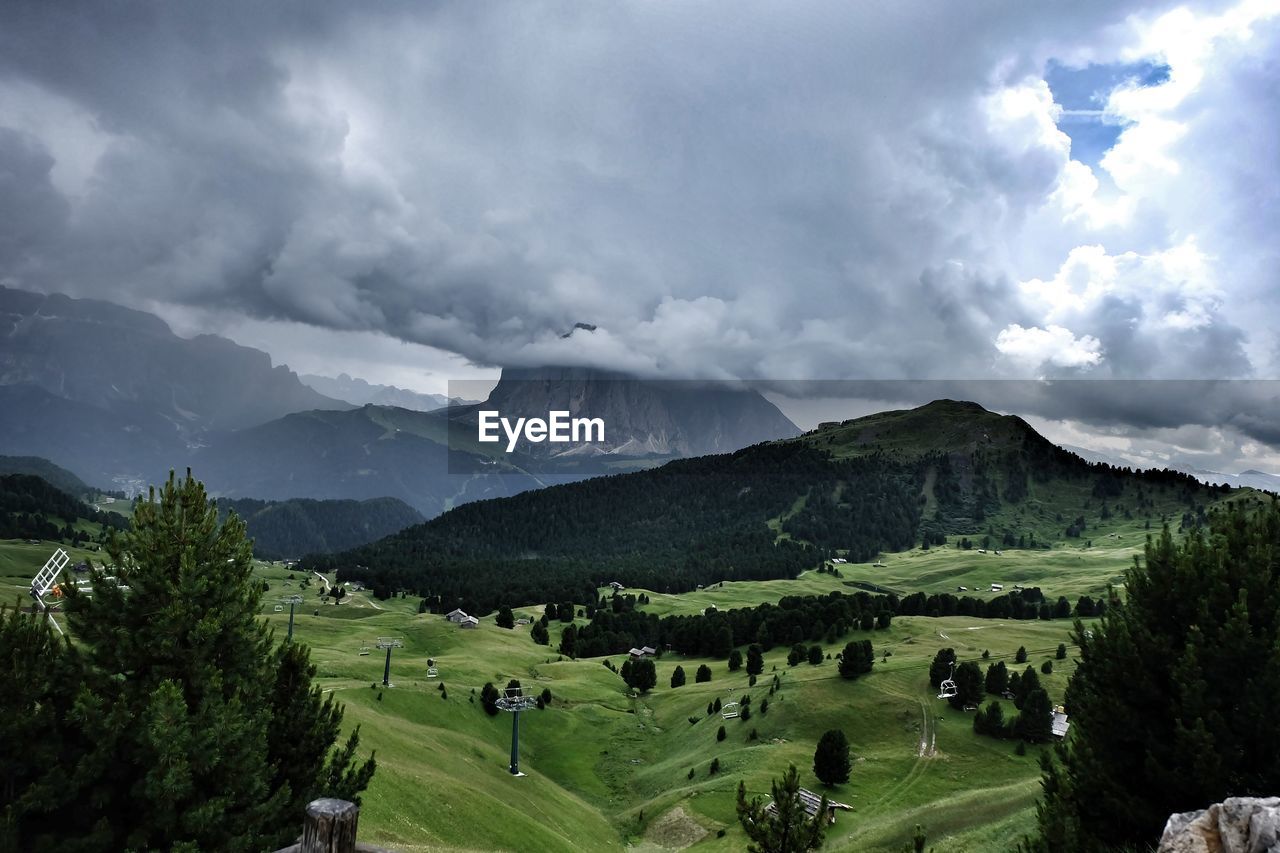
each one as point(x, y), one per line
point(914, 532)
point(607, 770)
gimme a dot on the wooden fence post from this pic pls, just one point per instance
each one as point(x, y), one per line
point(330, 826)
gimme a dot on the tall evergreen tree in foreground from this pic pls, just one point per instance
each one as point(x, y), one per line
point(188, 730)
point(1173, 705)
point(788, 829)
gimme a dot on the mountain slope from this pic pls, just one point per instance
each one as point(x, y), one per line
point(32, 508)
point(281, 529)
point(370, 452)
point(56, 476)
point(141, 395)
point(358, 392)
point(434, 461)
point(882, 483)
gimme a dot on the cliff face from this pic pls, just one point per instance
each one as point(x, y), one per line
point(1236, 825)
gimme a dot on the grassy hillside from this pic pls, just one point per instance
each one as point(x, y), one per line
point(945, 473)
point(608, 771)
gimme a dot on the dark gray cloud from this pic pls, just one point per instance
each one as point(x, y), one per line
point(724, 189)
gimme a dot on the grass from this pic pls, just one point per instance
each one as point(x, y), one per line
point(607, 771)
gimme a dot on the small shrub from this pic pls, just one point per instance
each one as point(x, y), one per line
point(693, 721)
point(714, 768)
point(751, 682)
point(1046, 667)
point(379, 695)
point(720, 833)
point(755, 735)
point(720, 735)
point(692, 773)
point(1021, 748)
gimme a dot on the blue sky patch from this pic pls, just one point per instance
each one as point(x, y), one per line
point(1082, 93)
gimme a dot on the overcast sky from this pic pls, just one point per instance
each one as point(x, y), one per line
point(419, 192)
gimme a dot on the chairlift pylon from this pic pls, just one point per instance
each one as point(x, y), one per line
point(948, 688)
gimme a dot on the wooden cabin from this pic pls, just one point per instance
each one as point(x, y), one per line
point(811, 803)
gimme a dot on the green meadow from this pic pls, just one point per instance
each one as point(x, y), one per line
point(606, 770)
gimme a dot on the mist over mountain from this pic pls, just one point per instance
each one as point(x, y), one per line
point(433, 460)
point(665, 418)
point(113, 394)
point(1251, 478)
point(358, 392)
point(369, 452)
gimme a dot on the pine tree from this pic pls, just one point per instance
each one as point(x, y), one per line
point(815, 655)
point(1028, 683)
point(569, 641)
point(703, 674)
point(940, 667)
point(305, 726)
point(798, 653)
point(968, 679)
point(990, 720)
point(505, 618)
point(831, 758)
point(181, 688)
point(640, 674)
point(735, 660)
point(1035, 723)
point(1021, 656)
point(857, 658)
point(539, 634)
point(39, 674)
point(788, 828)
point(997, 680)
point(677, 677)
point(755, 659)
point(1172, 705)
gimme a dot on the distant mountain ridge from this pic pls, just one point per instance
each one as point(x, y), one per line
point(112, 393)
point(282, 529)
point(858, 488)
point(1251, 478)
point(663, 418)
point(56, 476)
point(358, 392)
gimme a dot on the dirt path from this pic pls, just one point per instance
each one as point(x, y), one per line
point(926, 751)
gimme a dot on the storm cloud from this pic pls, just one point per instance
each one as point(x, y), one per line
point(725, 190)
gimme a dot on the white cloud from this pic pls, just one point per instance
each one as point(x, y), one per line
point(1055, 346)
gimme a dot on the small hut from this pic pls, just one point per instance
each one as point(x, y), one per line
point(811, 803)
